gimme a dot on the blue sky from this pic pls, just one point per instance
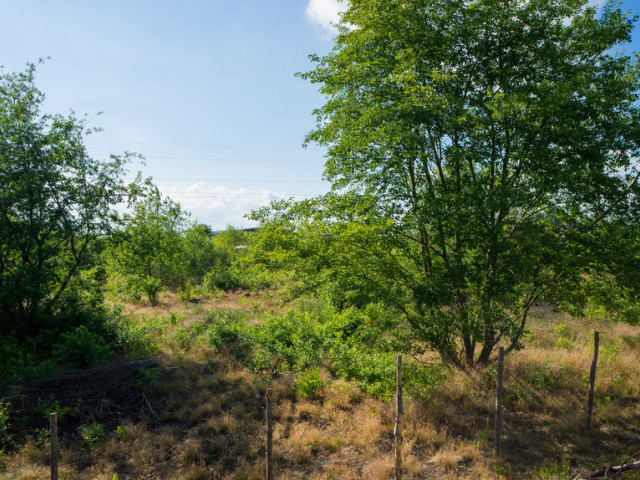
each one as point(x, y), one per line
point(204, 89)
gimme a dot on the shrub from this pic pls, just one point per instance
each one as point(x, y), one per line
point(223, 332)
point(133, 338)
point(80, 348)
point(151, 287)
point(309, 383)
point(91, 433)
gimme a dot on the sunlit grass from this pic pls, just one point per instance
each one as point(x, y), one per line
point(209, 401)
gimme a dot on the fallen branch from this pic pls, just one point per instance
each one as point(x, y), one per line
point(150, 407)
point(609, 472)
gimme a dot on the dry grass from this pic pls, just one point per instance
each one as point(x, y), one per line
point(211, 418)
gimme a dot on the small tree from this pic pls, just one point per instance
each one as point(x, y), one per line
point(54, 200)
point(146, 251)
point(481, 152)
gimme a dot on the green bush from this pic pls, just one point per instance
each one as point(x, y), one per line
point(348, 343)
point(135, 339)
point(309, 383)
point(91, 433)
point(80, 348)
point(290, 342)
point(223, 332)
point(151, 287)
point(544, 377)
point(46, 407)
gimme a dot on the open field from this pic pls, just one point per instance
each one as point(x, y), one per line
point(196, 410)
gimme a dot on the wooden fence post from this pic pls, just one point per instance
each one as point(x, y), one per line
point(592, 378)
point(53, 420)
point(269, 438)
point(498, 425)
point(398, 427)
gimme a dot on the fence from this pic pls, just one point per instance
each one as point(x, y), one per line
point(269, 464)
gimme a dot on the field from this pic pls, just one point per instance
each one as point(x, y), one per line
point(188, 401)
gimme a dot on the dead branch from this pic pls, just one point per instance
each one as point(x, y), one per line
point(609, 472)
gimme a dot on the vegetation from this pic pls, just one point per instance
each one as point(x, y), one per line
point(332, 382)
point(483, 158)
point(54, 202)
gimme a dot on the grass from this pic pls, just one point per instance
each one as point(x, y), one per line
point(205, 418)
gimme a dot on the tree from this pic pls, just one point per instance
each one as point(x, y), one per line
point(145, 254)
point(480, 152)
point(54, 201)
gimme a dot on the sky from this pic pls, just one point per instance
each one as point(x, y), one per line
point(203, 89)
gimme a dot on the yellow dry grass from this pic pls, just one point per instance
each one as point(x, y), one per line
point(211, 419)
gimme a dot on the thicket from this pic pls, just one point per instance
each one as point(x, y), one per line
point(55, 201)
point(158, 247)
point(64, 246)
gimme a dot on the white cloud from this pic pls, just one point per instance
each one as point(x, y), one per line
point(219, 206)
point(325, 12)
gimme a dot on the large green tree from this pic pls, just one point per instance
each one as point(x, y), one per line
point(480, 152)
point(54, 201)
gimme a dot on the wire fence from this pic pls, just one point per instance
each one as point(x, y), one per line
point(270, 467)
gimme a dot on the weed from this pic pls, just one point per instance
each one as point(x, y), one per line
point(566, 336)
point(484, 438)
point(134, 338)
point(91, 433)
point(515, 393)
point(41, 437)
point(5, 437)
point(149, 377)
point(544, 377)
point(309, 383)
point(610, 351)
point(174, 318)
point(554, 472)
point(51, 405)
point(222, 332)
point(632, 341)
point(120, 433)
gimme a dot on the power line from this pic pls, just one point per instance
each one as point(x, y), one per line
point(270, 196)
point(209, 159)
point(229, 181)
point(209, 145)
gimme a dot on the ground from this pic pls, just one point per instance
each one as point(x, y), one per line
point(193, 412)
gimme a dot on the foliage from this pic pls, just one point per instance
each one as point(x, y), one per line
point(309, 383)
point(80, 348)
point(350, 344)
point(566, 336)
point(45, 407)
point(134, 338)
point(91, 433)
point(223, 332)
point(55, 201)
point(5, 437)
point(482, 156)
point(544, 377)
point(145, 252)
point(121, 433)
point(615, 298)
point(159, 248)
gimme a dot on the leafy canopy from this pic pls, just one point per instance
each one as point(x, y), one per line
point(483, 155)
point(54, 201)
